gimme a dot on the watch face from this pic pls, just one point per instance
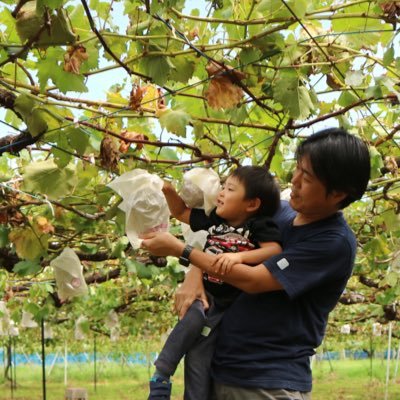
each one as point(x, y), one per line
point(184, 258)
point(184, 261)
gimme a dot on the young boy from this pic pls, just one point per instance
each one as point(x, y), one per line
point(240, 230)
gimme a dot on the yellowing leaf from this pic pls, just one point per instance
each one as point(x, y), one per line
point(28, 244)
point(150, 96)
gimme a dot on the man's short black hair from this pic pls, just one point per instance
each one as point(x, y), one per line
point(259, 183)
point(339, 160)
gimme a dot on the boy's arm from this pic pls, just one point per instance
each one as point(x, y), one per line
point(225, 261)
point(258, 256)
point(176, 205)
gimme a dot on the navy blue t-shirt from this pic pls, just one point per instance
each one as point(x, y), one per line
point(266, 340)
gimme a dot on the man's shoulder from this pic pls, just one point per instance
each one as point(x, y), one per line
point(285, 213)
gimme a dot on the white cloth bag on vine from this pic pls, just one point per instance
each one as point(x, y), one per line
point(199, 190)
point(68, 272)
point(143, 202)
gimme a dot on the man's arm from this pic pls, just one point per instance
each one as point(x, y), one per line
point(191, 289)
point(176, 205)
point(255, 279)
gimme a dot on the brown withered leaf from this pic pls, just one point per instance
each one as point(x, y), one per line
point(109, 154)
point(74, 57)
point(124, 144)
point(222, 92)
point(44, 225)
point(136, 96)
point(193, 33)
point(16, 218)
point(391, 165)
point(160, 100)
point(391, 8)
point(3, 217)
point(214, 68)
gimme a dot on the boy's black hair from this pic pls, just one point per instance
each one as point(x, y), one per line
point(259, 183)
point(339, 160)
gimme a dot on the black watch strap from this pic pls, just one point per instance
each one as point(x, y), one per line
point(184, 258)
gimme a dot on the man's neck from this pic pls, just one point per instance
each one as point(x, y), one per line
point(301, 219)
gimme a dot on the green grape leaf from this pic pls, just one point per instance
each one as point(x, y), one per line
point(157, 67)
point(27, 268)
point(175, 121)
point(47, 178)
point(78, 139)
point(294, 98)
point(347, 98)
point(53, 4)
point(4, 231)
point(69, 82)
point(388, 57)
point(376, 162)
point(183, 69)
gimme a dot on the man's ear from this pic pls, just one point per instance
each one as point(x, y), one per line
point(337, 196)
point(253, 204)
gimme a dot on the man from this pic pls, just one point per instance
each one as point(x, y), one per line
point(267, 336)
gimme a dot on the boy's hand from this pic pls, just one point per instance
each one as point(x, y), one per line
point(225, 261)
point(167, 186)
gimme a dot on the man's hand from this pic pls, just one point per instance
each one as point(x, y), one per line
point(225, 261)
point(191, 289)
point(162, 244)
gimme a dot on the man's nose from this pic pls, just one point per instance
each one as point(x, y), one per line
point(296, 177)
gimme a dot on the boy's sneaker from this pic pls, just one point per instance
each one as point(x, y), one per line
point(160, 389)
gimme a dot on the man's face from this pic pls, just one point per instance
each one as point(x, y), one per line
point(309, 196)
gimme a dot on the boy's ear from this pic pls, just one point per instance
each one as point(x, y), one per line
point(253, 204)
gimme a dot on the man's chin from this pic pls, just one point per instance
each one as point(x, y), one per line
point(292, 203)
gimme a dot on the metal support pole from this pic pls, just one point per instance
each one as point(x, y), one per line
point(95, 363)
point(43, 361)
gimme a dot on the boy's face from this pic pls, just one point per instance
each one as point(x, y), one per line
point(231, 202)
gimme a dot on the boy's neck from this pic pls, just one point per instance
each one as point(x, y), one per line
point(240, 220)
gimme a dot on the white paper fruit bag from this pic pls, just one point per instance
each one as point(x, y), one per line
point(200, 188)
point(69, 276)
point(143, 203)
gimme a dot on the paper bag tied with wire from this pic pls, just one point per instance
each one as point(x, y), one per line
point(143, 202)
point(199, 190)
point(68, 272)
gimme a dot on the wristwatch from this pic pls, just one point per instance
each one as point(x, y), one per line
point(184, 258)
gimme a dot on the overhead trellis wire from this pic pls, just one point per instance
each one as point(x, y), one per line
point(336, 68)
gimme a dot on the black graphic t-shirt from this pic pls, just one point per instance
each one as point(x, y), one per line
point(223, 238)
